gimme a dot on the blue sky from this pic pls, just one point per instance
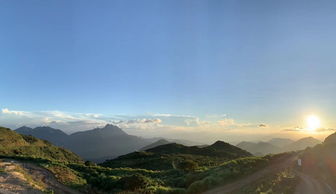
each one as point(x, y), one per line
point(255, 61)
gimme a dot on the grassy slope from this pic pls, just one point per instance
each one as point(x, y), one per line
point(14, 144)
point(166, 157)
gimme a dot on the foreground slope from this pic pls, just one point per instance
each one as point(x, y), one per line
point(33, 165)
point(23, 177)
point(320, 160)
point(14, 144)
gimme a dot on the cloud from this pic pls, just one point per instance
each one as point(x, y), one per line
point(142, 124)
point(262, 125)
point(301, 129)
point(227, 122)
point(7, 111)
point(148, 125)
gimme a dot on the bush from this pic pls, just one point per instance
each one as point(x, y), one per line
point(187, 165)
point(134, 182)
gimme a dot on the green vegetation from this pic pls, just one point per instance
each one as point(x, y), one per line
point(14, 144)
point(167, 157)
point(227, 172)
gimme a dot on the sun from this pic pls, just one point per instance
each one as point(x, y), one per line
point(313, 123)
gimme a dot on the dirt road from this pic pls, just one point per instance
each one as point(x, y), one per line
point(282, 163)
point(26, 178)
point(310, 185)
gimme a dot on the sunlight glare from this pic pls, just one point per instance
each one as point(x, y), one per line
point(313, 123)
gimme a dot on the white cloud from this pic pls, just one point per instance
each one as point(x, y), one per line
point(7, 111)
point(227, 122)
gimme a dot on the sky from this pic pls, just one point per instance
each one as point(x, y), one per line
point(168, 67)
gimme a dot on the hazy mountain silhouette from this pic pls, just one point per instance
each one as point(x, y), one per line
point(280, 142)
point(52, 135)
point(103, 142)
point(96, 144)
point(259, 148)
point(278, 145)
point(301, 144)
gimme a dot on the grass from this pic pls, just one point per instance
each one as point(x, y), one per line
point(14, 144)
point(95, 178)
point(227, 172)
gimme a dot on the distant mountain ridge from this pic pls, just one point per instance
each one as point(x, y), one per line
point(278, 145)
point(55, 136)
point(96, 144)
point(280, 142)
point(302, 144)
point(259, 148)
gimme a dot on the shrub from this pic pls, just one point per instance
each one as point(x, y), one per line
point(187, 165)
point(134, 182)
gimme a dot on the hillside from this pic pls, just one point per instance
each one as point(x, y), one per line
point(330, 140)
point(14, 144)
point(320, 160)
point(97, 144)
point(155, 144)
point(165, 157)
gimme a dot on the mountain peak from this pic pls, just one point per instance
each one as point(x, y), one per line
point(106, 131)
point(24, 128)
point(311, 139)
point(112, 128)
point(219, 144)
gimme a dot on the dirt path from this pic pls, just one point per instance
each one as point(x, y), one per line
point(26, 178)
point(310, 185)
point(278, 165)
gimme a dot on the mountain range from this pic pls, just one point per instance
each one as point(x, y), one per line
point(277, 145)
point(97, 144)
